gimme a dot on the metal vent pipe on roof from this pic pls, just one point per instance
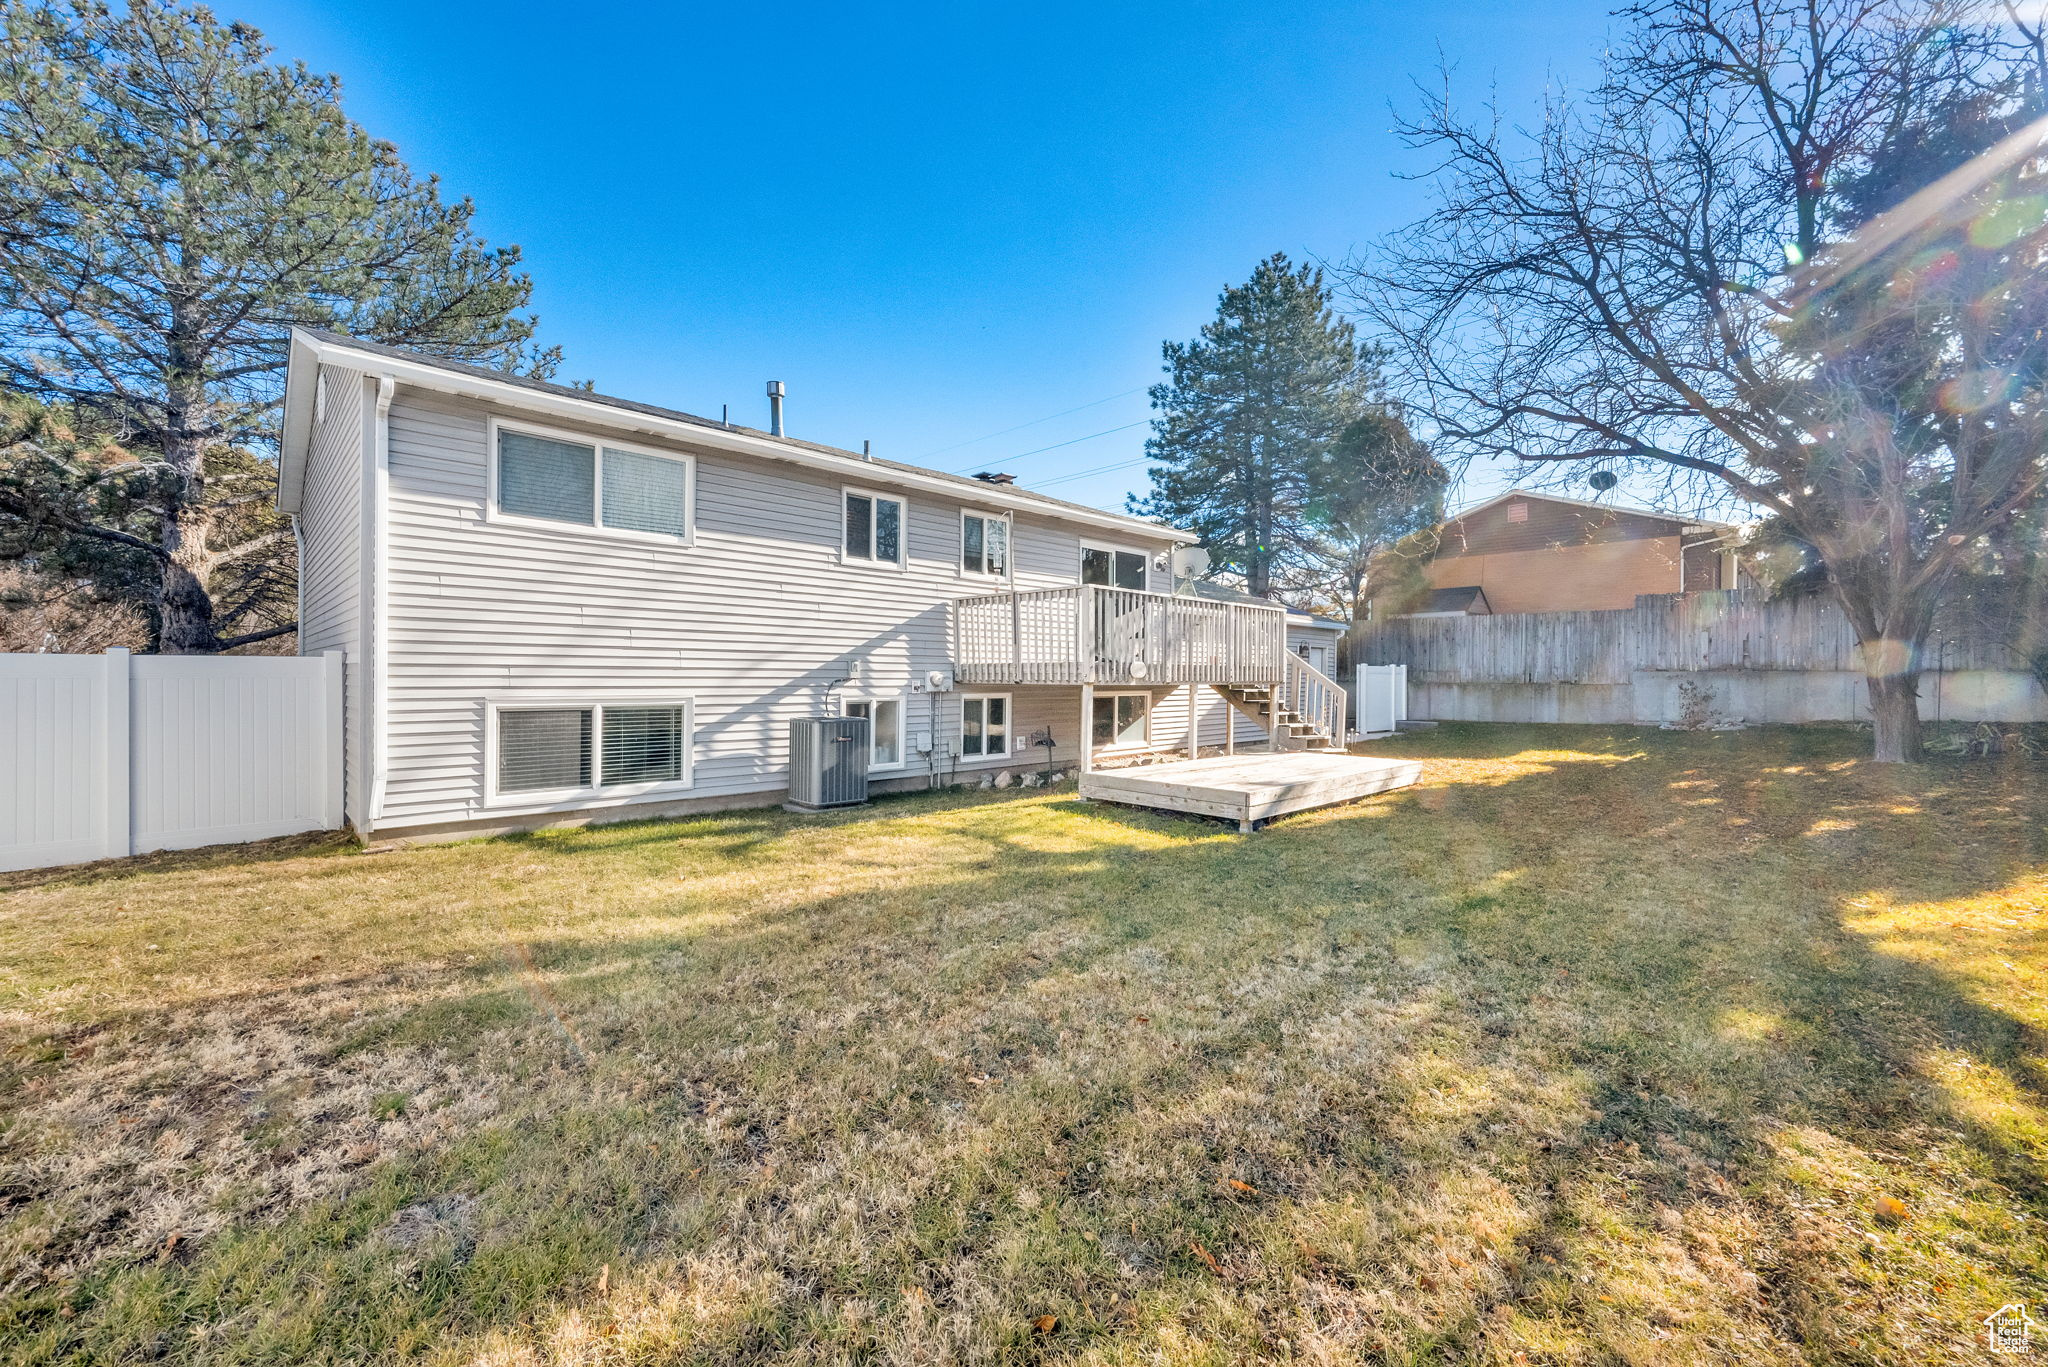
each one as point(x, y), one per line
point(775, 408)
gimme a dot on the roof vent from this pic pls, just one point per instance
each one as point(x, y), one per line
point(994, 477)
point(775, 408)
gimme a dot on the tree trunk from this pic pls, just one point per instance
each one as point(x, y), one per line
point(1895, 710)
point(184, 612)
point(184, 604)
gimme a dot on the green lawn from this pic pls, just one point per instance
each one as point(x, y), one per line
point(1601, 1046)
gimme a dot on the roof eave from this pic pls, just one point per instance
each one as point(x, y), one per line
point(424, 375)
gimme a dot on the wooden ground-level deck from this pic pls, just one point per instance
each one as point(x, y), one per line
point(1251, 788)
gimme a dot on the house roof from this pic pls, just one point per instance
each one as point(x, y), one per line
point(310, 347)
point(1692, 524)
point(1463, 598)
point(1223, 593)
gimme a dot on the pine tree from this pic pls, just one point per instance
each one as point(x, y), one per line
point(171, 202)
point(1247, 411)
point(1374, 485)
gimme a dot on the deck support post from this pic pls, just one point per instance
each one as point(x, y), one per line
point(1087, 728)
point(1229, 727)
point(1194, 721)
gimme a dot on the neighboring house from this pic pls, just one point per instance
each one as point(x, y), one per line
point(559, 605)
point(1527, 552)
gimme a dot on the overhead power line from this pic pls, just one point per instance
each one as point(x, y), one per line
point(1098, 470)
point(971, 441)
point(983, 465)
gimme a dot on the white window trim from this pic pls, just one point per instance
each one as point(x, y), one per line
point(599, 794)
point(1087, 545)
point(1009, 727)
point(902, 701)
point(902, 560)
point(960, 545)
point(1113, 745)
point(494, 512)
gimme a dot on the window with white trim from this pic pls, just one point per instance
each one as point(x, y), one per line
point(551, 477)
point(565, 750)
point(885, 729)
point(1109, 566)
point(984, 725)
point(871, 528)
point(984, 543)
point(1121, 719)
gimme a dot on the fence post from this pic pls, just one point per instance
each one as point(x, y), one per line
point(117, 811)
point(333, 740)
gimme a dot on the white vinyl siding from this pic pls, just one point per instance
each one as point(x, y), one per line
point(334, 611)
point(757, 620)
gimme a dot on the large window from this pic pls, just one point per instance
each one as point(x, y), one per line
point(873, 528)
point(1107, 565)
point(1122, 719)
point(566, 750)
point(550, 477)
point(984, 543)
point(885, 730)
point(984, 725)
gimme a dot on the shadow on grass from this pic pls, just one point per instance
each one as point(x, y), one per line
point(284, 847)
point(1666, 936)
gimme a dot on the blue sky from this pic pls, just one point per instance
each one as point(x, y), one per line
point(932, 223)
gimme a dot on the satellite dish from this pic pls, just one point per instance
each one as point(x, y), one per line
point(1139, 669)
point(1190, 562)
point(1603, 480)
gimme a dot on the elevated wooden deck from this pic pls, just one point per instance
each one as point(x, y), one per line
point(1251, 788)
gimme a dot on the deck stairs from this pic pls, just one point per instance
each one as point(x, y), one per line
point(1292, 730)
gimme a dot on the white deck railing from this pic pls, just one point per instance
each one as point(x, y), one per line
point(1315, 697)
point(1093, 634)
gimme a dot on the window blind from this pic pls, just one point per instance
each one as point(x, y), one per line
point(539, 477)
point(998, 546)
point(643, 745)
point(645, 493)
point(543, 748)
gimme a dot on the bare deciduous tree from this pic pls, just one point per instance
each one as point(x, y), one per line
point(1788, 249)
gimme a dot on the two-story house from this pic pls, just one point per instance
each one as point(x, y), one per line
point(558, 605)
point(1528, 552)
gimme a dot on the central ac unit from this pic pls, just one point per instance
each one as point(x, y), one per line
point(828, 762)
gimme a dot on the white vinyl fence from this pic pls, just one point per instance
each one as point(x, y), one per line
point(114, 754)
point(1382, 694)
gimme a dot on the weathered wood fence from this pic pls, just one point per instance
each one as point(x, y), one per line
point(1795, 660)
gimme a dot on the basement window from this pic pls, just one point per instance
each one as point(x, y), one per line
point(885, 730)
point(984, 725)
point(559, 752)
point(1122, 719)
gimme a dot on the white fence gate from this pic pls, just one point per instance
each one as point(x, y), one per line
point(114, 754)
point(1382, 693)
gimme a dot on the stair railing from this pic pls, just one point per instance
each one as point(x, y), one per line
point(1315, 697)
